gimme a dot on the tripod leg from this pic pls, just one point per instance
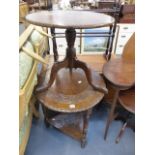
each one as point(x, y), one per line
point(55, 68)
point(82, 65)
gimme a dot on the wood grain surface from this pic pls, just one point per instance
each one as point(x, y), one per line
point(70, 19)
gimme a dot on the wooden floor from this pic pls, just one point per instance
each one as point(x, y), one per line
point(95, 62)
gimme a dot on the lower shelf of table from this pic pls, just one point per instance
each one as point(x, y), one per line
point(69, 124)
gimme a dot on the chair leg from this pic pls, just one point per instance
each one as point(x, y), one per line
point(121, 132)
point(111, 114)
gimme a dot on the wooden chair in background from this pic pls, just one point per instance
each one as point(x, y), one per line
point(119, 74)
point(41, 5)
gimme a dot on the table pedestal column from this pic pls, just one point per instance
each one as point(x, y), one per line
point(70, 62)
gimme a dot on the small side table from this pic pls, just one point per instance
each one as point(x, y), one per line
point(72, 86)
point(70, 20)
point(120, 74)
point(74, 98)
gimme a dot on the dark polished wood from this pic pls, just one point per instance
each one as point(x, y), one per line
point(69, 90)
point(55, 51)
point(115, 73)
point(72, 88)
point(70, 94)
point(127, 100)
point(70, 62)
point(70, 19)
point(58, 19)
point(120, 74)
point(74, 125)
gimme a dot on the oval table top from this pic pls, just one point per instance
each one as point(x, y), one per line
point(70, 19)
point(120, 72)
point(71, 92)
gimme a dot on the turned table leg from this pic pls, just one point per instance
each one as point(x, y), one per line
point(47, 124)
point(86, 117)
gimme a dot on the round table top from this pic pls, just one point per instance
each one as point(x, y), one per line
point(71, 92)
point(70, 19)
point(120, 72)
point(127, 99)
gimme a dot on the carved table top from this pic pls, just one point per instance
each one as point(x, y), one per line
point(70, 19)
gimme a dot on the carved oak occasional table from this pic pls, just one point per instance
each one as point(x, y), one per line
point(72, 87)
